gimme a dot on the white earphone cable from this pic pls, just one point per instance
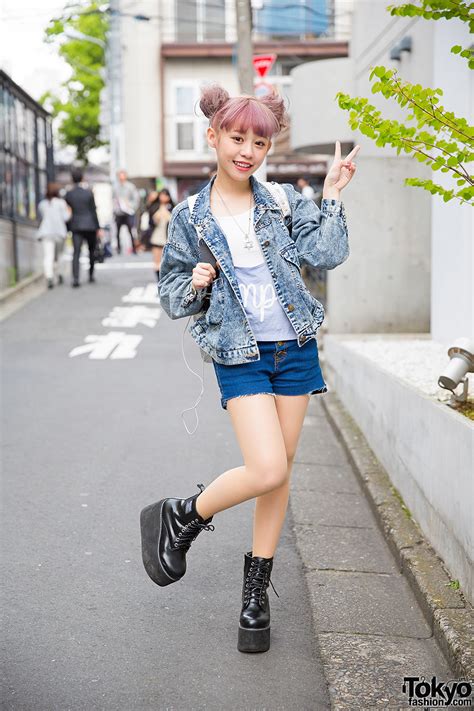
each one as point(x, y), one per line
point(201, 378)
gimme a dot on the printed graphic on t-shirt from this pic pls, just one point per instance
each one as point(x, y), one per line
point(266, 317)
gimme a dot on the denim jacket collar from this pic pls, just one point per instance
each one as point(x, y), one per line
point(263, 200)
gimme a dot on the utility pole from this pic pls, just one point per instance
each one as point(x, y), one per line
point(243, 13)
point(114, 70)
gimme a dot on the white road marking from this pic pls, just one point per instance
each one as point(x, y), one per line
point(142, 295)
point(115, 344)
point(132, 316)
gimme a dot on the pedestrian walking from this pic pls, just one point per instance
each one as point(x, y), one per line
point(52, 232)
point(160, 216)
point(306, 190)
point(126, 202)
point(84, 223)
point(259, 329)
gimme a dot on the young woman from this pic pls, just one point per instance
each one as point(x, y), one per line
point(260, 330)
point(54, 214)
point(160, 216)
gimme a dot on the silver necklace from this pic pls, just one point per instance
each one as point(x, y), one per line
point(248, 243)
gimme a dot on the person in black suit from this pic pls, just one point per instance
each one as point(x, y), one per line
point(83, 224)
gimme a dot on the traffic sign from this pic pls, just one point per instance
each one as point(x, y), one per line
point(263, 63)
point(263, 88)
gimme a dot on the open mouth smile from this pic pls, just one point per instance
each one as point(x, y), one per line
point(242, 165)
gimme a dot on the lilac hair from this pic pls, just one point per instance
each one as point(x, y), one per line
point(266, 116)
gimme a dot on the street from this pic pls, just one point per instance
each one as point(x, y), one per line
point(87, 443)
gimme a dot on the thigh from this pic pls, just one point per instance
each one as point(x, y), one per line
point(91, 240)
point(291, 410)
point(48, 248)
point(77, 241)
point(258, 431)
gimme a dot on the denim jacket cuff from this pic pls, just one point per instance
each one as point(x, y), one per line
point(194, 294)
point(331, 206)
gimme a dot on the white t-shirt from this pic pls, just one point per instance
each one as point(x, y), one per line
point(266, 316)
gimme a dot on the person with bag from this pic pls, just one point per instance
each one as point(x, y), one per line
point(52, 232)
point(160, 216)
point(84, 223)
point(260, 330)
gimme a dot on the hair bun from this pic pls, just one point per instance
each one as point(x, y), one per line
point(213, 98)
point(277, 106)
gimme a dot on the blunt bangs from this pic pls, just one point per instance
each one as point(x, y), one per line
point(242, 114)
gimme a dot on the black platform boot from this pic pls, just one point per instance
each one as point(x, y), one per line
point(254, 623)
point(168, 528)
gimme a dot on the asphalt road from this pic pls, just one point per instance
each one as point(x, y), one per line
point(87, 443)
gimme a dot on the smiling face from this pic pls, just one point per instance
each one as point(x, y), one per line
point(239, 154)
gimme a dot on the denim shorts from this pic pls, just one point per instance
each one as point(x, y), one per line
point(284, 368)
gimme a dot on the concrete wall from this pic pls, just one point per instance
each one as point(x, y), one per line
point(385, 284)
point(29, 252)
point(425, 447)
point(452, 283)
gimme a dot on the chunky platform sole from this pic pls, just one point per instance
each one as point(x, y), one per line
point(257, 640)
point(150, 526)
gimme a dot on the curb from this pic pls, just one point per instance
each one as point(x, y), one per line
point(12, 291)
point(13, 298)
point(446, 610)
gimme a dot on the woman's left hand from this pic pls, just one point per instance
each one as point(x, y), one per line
point(341, 171)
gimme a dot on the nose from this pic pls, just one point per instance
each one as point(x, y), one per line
point(246, 150)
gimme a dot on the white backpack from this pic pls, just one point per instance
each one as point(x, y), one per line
point(280, 197)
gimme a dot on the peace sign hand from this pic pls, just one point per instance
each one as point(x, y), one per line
point(341, 171)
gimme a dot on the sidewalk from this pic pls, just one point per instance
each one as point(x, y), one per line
point(370, 629)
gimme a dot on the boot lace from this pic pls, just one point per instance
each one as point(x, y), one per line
point(257, 582)
point(187, 535)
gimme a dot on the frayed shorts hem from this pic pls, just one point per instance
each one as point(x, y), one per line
point(319, 391)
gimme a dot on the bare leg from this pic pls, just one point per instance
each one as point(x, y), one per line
point(258, 430)
point(270, 508)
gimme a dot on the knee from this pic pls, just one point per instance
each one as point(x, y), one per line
point(272, 474)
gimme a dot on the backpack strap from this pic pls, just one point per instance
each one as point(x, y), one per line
point(192, 201)
point(279, 195)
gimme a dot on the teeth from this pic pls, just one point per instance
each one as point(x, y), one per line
point(242, 165)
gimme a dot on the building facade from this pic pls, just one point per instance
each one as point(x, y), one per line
point(166, 63)
point(26, 165)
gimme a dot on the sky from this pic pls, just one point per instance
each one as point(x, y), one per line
point(30, 62)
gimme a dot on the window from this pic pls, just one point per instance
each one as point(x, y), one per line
point(200, 20)
point(26, 161)
point(191, 125)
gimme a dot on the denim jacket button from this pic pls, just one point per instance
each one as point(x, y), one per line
point(266, 243)
point(291, 307)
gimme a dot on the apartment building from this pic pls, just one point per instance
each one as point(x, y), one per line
point(188, 43)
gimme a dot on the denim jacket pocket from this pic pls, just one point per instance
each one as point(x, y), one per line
point(291, 256)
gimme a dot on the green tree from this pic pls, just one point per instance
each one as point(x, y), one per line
point(439, 138)
point(78, 104)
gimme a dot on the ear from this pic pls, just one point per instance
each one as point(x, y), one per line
point(211, 137)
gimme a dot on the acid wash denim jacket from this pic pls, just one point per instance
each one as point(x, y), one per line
point(314, 237)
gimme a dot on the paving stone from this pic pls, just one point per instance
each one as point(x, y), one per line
point(313, 507)
point(323, 478)
point(318, 444)
point(366, 671)
point(365, 603)
point(338, 548)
